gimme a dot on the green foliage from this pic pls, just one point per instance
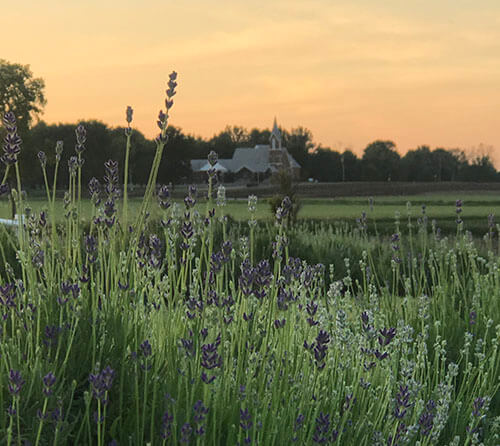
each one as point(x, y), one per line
point(285, 187)
point(380, 162)
point(20, 93)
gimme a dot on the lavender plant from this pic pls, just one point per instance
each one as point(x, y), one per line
point(181, 332)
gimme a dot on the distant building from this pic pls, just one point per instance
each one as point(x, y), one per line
point(252, 164)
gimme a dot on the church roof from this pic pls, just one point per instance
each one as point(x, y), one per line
point(254, 159)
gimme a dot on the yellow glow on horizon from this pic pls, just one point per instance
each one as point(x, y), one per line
point(414, 72)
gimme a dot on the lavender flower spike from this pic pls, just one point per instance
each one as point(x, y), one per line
point(12, 141)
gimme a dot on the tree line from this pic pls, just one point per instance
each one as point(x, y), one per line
point(380, 160)
point(23, 94)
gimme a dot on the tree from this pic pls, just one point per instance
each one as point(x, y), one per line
point(381, 161)
point(419, 165)
point(299, 144)
point(325, 165)
point(20, 93)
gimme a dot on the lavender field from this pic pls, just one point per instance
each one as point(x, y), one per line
point(132, 331)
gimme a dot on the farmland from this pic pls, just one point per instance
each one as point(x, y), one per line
point(204, 320)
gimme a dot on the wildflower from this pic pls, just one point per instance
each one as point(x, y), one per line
point(51, 334)
point(146, 349)
point(186, 431)
point(200, 412)
point(42, 158)
point(458, 211)
point(221, 196)
point(101, 383)
point(16, 382)
point(164, 197)
point(81, 138)
point(59, 150)
point(12, 141)
point(48, 381)
point(212, 158)
point(4, 189)
point(166, 425)
point(129, 114)
point(320, 348)
point(402, 402)
point(386, 336)
point(322, 428)
point(72, 164)
point(426, 419)
point(245, 419)
point(91, 248)
point(95, 190)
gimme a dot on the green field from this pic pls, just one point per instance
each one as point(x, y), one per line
point(439, 206)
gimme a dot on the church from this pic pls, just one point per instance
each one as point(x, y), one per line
point(251, 164)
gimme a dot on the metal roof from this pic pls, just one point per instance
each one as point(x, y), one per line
point(254, 159)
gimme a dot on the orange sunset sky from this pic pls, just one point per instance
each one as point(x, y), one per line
point(351, 71)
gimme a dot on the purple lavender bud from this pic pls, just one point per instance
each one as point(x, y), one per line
point(166, 425)
point(478, 405)
point(402, 402)
point(81, 138)
point(101, 383)
point(12, 141)
point(4, 189)
point(48, 381)
point(200, 412)
point(146, 349)
point(42, 158)
point(491, 221)
point(212, 158)
point(245, 419)
point(426, 419)
point(387, 335)
point(380, 356)
point(162, 119)
point(16, 382)
point(189, 202)
point(210, 359)
point(129, 114)
point(51, 333)
point(322, 428)
point(186, 432)
point(187, 230)
point(164, 197)
point(279, 323)
point(91, 248)
point(72, 164)
point(59, 150)
point(9, 121)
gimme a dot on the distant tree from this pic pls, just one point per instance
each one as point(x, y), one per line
point(480, 169)
point(175, 164)
point(21, 93)
point(324, 164)
point(380, 162)
point(448, 163)
point(418, 165)
point(299, 144)
point(257, 136)
point(225, 142)
point(351, 166)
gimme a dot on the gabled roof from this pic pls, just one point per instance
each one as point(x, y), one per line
point(254, 159)
point(218, 167)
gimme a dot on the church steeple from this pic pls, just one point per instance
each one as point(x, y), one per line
point(275, 136)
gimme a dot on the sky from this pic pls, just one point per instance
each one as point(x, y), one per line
point(351, 71)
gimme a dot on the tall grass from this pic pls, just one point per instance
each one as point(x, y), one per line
point(196, 330)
